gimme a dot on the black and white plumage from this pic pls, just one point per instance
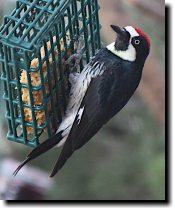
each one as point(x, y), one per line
point(100, 91)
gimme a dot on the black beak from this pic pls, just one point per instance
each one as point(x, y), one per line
point(119, 30)
point(123, 37)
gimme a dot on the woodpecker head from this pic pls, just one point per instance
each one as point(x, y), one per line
point(130, 44)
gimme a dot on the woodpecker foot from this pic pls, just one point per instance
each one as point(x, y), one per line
point(73, 77)
point(74, 60)
point(79, 44)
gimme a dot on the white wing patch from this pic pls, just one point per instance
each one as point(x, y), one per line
point(80, 114)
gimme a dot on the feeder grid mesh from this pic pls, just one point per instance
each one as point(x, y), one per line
point(34, 41)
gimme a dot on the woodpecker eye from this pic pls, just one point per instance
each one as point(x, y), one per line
point(137, 41)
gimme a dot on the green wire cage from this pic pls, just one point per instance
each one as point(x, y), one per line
point(34, 41)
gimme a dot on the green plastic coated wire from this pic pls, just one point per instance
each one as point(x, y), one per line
point(28, 30)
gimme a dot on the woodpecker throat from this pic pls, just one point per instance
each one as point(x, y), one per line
point(128, 55)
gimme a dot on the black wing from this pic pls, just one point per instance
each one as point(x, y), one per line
point(94, 106)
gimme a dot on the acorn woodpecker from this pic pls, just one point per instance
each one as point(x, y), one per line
point(99, 92)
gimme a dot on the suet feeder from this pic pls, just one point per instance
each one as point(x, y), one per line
point(34, 42)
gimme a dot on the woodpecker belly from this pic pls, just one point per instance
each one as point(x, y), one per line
point(78, 89)
point(79, 85)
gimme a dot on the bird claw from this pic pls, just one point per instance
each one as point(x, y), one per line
point(73, 77)
point(79, 41)
point(74, 60)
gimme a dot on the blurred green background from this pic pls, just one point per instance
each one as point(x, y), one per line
point(126, 159)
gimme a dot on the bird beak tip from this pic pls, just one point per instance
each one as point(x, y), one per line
point(119, 30)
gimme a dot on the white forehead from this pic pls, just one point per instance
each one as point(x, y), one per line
point(132, 31)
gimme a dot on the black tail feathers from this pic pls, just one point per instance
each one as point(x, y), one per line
point(42, 148)
point(66, 152)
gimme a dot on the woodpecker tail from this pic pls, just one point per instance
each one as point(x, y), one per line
point(42, 148)
point(65, 154)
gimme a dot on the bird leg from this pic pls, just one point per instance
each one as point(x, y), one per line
point(73, 77)
point(74, 60)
